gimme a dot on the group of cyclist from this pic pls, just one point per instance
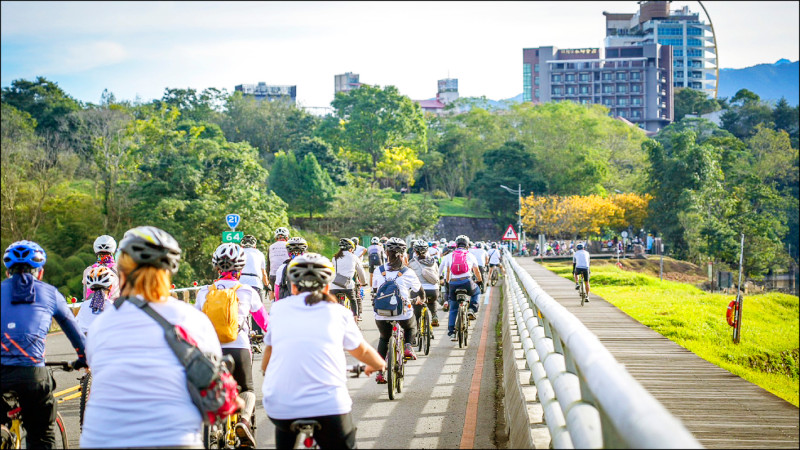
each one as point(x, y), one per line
point(138, 382)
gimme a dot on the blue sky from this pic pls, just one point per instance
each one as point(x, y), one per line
point(140, 48)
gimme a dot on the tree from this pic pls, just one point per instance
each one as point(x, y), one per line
point(44, 100)
point(284, 178)
point(317, 191)
point(787, 119)
point(358, 210)
point(374, 119)
point(325, 156)
point(397, 167)
point(692, 101)
point(745, 113)
point(199, 107)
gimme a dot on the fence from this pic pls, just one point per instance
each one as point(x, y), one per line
point(588, 399)
point(183, 293)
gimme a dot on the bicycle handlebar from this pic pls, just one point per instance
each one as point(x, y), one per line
point(356, 369)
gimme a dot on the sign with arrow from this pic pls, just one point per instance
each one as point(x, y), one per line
point(510, 234)
point(232, 220)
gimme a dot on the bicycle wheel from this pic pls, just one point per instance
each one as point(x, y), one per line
point(6, 438)
point(86, 386)
point(391, 361)
point(460, 327)
point(420, 328)
point(401, 372)
point(61, 433)
point(495, 277)
point(428, 331)
point(466, 327)
point(582, 290)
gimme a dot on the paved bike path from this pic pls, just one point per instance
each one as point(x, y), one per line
point(429, 413)
point(721, 410)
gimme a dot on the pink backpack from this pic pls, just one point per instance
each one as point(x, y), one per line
point(459, 265)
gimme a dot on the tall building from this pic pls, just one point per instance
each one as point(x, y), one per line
point(345, 82)
point(634, 82)
point(262, 91)
point(694, 52)
point(446, 93)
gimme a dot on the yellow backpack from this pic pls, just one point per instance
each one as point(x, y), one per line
point(222, 307)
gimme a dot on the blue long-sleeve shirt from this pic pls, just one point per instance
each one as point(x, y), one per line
point(25, 325)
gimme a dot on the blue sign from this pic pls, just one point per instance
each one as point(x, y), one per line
point(233, 220)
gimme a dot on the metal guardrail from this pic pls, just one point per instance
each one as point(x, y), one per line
point(184, 293)
point(589, 399)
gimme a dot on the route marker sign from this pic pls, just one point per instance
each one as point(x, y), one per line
point(232, 220)
point(232, 236)
point(510, 234)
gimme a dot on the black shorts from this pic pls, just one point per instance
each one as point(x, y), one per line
point(582, 270)
point(242, 367)
point(493, 265)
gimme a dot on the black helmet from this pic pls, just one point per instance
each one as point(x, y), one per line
point(355, 240)
point(296, 245)
point(579, 246)
point(494, 244)
point(151, 246)
point(462, 241)
point(310, 270)
point(229, 258)
point(346, 244)
point(249, 241)
point(395, 244)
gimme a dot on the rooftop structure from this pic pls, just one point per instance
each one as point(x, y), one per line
point(263, 91)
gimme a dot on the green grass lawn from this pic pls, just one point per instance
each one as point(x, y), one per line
point(458, 207)
point(767, 354)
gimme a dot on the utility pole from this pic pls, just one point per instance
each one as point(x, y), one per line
point(738, 325)
point(520, 231)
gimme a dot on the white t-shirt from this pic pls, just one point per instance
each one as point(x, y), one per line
point(277, 255)
point(254, 264)
point(249, 302)
point(445, 263)
point(138, 384)
point(306, 372)
point(346, 266)
point(406, 283)
point(494, 256)
point(434, 252)
point(85, 315)
point(359, 252)
point(480, 255)
point(471, 262)
point(581, 259)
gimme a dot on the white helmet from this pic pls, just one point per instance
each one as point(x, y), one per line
point(100, 277)
point(229, 258)
point(282, 231)
point(105, 243)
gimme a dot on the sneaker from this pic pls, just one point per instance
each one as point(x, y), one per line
point(577, 286)
point(472, 315)
point(409, 353)
point(358, 318)
point(587, 298)
point(435, 321)
point(379, 378)
point(446, 307)
point(246, 438)
point(453, 337)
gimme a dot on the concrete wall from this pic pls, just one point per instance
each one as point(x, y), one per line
point(477, 229)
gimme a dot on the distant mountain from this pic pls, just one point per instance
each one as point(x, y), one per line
point(769, 81)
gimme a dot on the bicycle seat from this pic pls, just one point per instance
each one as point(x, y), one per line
point(11, 399)
point(302, 423)
point(462, 292)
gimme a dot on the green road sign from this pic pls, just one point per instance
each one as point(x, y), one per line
point(232, 236)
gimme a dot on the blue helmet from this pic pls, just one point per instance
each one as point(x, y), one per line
point(25, 252)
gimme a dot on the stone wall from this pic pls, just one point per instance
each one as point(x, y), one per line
point(477, 229)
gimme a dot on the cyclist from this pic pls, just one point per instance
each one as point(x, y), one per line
point(346, 265)
point(29, 306)
point(495, 260)
point(447, 253)
point(277, 255)
point(254, 273)
point(139, 396)
point(427, 271)
point(480, 256)
point(296, 246)
point(304, 365)
point(580, 264)
point(462, 279)
point(100, 281)
point(360, 275)
point(407, 282)
point(434, 252)
point(359, 250)
point(228, 261)
point(104, 247)
point(375, 255)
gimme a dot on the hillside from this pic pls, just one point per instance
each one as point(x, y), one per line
point(769, 81)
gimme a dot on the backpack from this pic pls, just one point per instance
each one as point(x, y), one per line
point(285, 290)
point(375, 258)
point(388, 300)
point(210, 383)
point(427, 273)
point(222, 307)
point(459, 264)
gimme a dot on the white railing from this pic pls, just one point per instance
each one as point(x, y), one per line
point(183, 293)
point(588, 399)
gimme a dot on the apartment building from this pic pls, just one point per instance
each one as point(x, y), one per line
point(345, 82)
point(264, 91)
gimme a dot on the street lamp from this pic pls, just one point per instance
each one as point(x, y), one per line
point(518, 191)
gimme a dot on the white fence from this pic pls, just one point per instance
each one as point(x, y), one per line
point(587, 398)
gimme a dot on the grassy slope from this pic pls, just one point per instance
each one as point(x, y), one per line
point(767, 354)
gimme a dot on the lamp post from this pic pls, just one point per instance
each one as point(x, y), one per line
point(521, 233)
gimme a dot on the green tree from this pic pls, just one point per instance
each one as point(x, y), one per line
point(692, 101)
point(284, 178)
point(745, 113)
point(325, 156)
point(787, 119)
point(360, 210)
point(44, 100)
point(316, 190)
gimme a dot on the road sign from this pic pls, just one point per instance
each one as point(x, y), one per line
point(232, 220)
point(624, 234)
point(232, 236)
point(510, 234)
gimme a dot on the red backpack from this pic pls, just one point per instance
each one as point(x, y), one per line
point(459, 265)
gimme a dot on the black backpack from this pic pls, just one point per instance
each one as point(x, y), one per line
point(285, 291)
point(375, 259)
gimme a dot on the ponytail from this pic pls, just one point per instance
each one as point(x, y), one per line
point(317, 296)
point(395, 259)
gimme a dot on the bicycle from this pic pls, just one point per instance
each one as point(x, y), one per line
point(495, 276)
point(222, 435)
point(12, 430)
point(462, 319)
point(395, 360)
point(424, 330)
point(582, 288)
point(305, 428)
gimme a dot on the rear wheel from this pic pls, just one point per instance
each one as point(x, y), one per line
point(495, 276)
point(391, 361)
point(61, 433)
point(427, 333)
point(460, 327)
point(400, 370)
point(421, 326)
point(86, 386)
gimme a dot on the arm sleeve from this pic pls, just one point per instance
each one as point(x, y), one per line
point(69, 324)
point(262, 318)
point(362, 279)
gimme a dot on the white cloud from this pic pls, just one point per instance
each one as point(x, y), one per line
point(69, 58)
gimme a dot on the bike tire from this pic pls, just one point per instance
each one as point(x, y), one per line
point(6, 438)
point(428, 333)
point(466, 328)
point(391, 362)
point(495, 277)
point(420, 330)
point(459, 328)
point(401, 373)
point(61, 433)
point(86, 387)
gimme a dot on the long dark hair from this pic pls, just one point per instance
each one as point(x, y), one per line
point(395, 259)
point(316, 295)
point(339, 254)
